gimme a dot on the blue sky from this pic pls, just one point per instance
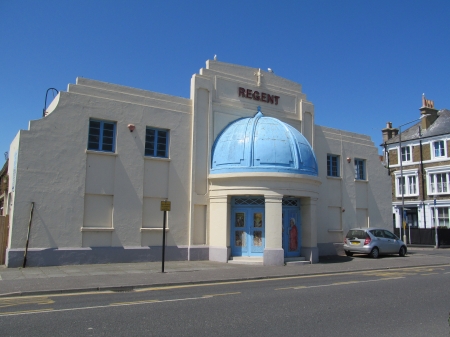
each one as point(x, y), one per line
point(360, 62)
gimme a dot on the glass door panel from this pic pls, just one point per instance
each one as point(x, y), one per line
point(239, 239)
point(257, 231)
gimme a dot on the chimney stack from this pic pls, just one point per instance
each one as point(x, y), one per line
point(428, 109)
point(388, 132)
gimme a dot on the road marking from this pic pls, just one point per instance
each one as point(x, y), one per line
point(25, 312)
point(381, 272)
point(429, 274)
point(223, 294)
point(117, 304)
point(133, 302)
point(340, 283)
point(10, 302)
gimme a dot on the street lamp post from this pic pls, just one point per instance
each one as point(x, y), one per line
point(402, 183)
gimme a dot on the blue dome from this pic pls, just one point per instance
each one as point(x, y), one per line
point(262, 144)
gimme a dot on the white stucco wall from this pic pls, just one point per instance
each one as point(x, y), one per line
point(344, 200)
point(57, 172)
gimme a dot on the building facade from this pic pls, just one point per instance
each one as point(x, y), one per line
point(247, 172)
point(419, 164)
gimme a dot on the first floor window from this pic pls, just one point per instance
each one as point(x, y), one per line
point(442, 216)
point(438, 183)
point(157, 143)
point(332, 165)
point(439, 149)
point(101, 135)
point(360, 169)
point(407, 185)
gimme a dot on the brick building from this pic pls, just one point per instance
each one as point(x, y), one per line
point(420, 181)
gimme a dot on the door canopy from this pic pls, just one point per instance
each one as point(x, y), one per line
point(262, 144)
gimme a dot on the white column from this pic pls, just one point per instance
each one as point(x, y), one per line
point(309, 229)
point(273, 250)
point(219, 229)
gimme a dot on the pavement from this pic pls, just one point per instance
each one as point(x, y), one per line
point(129, 276)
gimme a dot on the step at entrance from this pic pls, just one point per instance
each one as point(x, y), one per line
point(296, 261)
point(246, 260)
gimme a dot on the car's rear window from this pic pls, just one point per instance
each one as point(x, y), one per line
point(356, 234)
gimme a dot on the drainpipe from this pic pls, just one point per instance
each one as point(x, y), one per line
point(28, 236)
point(387, 158)
point(423, 183)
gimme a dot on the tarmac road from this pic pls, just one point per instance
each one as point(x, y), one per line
point(412, 301)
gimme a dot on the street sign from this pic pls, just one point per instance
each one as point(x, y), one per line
point(165, 206)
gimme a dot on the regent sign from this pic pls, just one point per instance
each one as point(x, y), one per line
point(257, 96)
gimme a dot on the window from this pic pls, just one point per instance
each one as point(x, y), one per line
point(156, 143)
point(438, 183)
point(332, 165)
point(360, 169)
point(442, 216)
point(406, 153)
point(408, 184)
point(439, 149)
point(101, 136)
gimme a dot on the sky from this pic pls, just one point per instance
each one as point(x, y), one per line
point(361, 63)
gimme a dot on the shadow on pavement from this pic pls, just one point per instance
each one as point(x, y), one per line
point(334, 259)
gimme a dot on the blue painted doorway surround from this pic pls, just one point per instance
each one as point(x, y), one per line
point(292, 237)
point(247, 226)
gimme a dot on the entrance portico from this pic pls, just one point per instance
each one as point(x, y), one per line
point(276, 190)
point(262, 186)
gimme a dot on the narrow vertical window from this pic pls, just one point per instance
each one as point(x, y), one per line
point(101, 136)
point(157, 143)
point(332, 165)
point(360, 169)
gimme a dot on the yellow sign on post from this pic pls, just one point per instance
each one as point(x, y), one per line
point(165, 206)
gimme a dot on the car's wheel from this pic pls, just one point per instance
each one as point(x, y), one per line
point(374, 253)
point(402, 251)
point(348, 253)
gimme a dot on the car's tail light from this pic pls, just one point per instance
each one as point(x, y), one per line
point(367, 240)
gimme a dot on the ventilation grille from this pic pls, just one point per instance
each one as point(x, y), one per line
point(290, 202)
point(249, 201)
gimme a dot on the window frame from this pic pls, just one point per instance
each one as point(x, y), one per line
point(330, 165)
point(358, 164)
point(407, 154)
point(441, 216)
point(101, 137)
point(408, 176)
point(155, 150)
point(433, 183)
point(442, 149)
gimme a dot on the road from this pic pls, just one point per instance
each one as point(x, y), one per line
point(396, 302)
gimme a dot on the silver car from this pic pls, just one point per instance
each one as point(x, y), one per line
point(373, 241)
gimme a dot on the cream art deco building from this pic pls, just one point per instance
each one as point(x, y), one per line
point(248, 173)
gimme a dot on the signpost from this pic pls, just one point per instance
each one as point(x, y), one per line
point(165, 207)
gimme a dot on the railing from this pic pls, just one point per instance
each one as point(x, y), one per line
point(426, 236)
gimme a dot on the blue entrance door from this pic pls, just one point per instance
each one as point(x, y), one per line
point(247, 231)
point(291, 231)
